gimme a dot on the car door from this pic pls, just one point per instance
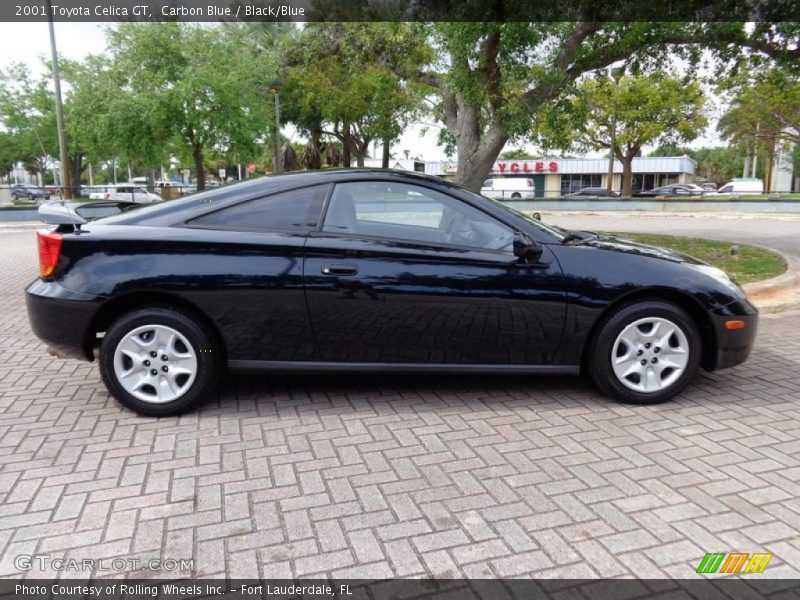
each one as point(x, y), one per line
point(403, 273)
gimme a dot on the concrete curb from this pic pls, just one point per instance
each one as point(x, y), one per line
point(780, 291)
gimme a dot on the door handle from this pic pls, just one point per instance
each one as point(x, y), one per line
point(339, 269)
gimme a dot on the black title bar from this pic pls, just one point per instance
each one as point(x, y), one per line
point(400, 10)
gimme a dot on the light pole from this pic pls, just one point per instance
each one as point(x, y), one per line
point(274, 87)
point(616, 74)
point(66, 184)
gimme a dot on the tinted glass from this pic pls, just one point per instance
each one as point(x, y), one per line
point(409, 212)
point(297, 210)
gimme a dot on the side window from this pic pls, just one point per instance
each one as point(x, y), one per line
point(296, 210)
point(489, 184)
point(725, 189)
point(414, 213)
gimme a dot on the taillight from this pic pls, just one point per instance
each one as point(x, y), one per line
point(49, 251)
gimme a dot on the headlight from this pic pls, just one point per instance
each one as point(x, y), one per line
point(722, 277)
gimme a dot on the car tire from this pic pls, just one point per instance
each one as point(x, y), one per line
point(661, 334)
point(516, 195)
point(31, 197)
point(138, 351)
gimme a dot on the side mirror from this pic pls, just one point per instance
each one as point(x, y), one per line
point(525, 247)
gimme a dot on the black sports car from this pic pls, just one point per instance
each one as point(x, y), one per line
point(365, 270)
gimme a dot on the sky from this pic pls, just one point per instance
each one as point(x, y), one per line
point(28, 42)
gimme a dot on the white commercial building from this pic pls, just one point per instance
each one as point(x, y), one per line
point(554, 177)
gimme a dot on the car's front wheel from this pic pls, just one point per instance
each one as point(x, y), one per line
point(645, 352)
point(158, 361)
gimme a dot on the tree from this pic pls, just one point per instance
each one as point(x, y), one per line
point(624, 117)
point(516, 154)
point(764, 113)
point(769, 105)
point(496, 77)
point(27, 114)
point(337, 83)
point(190, 85)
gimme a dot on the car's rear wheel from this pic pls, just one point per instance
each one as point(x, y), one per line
point(516, 195)
point(158, 361)
point(645, 352)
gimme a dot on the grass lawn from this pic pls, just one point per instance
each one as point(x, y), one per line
point(752, 264)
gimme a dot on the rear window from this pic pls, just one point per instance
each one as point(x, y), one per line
point(296, 210)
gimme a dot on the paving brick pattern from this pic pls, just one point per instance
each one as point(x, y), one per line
point(397, 476)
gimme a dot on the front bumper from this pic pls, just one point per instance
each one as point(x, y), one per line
point(62, 318)
point(733, 346)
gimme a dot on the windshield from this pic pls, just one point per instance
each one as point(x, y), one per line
point(552, 230)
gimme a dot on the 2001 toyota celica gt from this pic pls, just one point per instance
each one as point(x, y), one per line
point(364, 270)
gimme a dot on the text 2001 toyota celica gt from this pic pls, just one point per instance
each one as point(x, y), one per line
point(365, 270)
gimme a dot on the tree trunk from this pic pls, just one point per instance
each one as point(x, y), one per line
point(362, 149)
point(476, 155)
point(387, 147)
point(627, 176)
point(346, 144)
point(76, 169)
point(477, 149)
point(197, 154)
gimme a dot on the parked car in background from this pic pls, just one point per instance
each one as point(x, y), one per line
point(595, 192)
point(28, 191)
point(359, 270)
point(508, 187)
point(744, 185)
point(675, 189)
point(123, 192)
point(709, 186)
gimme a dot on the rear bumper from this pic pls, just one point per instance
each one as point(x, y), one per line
point(61, 318)
point(733, 346)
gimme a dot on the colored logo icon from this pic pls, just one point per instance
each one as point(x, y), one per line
point(734, 562)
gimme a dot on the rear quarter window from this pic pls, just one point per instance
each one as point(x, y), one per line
point(295, 210)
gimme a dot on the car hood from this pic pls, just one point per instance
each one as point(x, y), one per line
point(614, 243)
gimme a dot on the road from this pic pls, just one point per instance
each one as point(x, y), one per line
point(389, 476)
point(781, 232)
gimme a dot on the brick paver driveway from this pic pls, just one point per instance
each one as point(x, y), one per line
point(398, 476)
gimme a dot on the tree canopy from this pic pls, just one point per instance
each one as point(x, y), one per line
point(625, 116)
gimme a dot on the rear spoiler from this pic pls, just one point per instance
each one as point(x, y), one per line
point(64, 212)
point(59, 213)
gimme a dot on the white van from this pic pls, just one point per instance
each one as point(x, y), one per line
point(744, 185)
point(508, 187)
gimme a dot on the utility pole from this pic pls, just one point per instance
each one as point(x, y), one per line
point(275, 87)
point(66, 184)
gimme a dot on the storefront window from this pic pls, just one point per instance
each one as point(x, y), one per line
point(575, 183)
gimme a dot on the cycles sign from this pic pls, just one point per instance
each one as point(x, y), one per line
point(525, 166)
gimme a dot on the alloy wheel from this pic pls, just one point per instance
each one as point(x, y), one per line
point(155, 363)
point(650, 354)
